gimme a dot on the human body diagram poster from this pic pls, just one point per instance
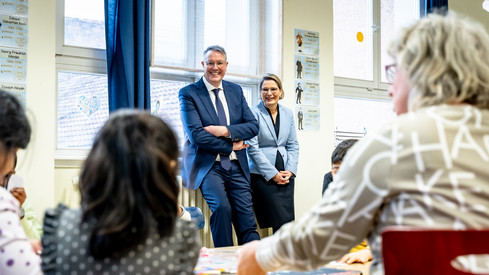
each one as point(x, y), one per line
point(306, 68)
point(13, 47)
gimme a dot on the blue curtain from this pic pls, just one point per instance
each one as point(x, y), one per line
point(428, 6)
point(127, 35)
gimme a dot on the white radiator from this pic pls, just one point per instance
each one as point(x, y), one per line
point(194, 198)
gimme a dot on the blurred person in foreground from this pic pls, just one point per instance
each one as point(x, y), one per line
point(17, 256)
point(427, 168)
point(28, 219)
point(127, 222)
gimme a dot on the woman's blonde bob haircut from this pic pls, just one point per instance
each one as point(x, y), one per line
point(446, 61)
point(270, 76)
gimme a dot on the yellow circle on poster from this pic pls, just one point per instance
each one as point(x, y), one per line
point(359, 36)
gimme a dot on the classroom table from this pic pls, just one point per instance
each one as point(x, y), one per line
point(223, 260)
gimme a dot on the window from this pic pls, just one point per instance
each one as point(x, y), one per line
point(351, 18)
point(182, 29)
point(164, 103)
point(170, 33)
point(362, 32)
point(82, 28)
point(393, 15)
point(82, 108)
point(355, 118)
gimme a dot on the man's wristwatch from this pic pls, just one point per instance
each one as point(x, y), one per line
point(21, 213)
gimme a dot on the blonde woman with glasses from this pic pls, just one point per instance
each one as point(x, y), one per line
point(427, 168)
point(273, 156)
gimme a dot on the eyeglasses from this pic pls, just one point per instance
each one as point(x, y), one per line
point(271, 90)
point(390, 72)
point(219, 64)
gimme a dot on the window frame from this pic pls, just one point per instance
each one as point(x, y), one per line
point(374, 90)
point(68, 50)
point(366, 89)
point(93, 61)
point(73, 59)
point(195, 33)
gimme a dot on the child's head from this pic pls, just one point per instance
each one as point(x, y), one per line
point(339, 153)
point(129, 182)
point(15, 131)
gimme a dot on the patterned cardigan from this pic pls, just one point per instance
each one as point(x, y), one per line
point(427, 168)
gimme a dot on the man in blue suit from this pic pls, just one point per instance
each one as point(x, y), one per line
point(216, 121)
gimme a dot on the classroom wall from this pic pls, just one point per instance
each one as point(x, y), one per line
point(472, 9)
point(315, 147)
point(36, 164)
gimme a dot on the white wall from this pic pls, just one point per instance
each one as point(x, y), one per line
point(36, 164)
point(472, 9)
point(315, 147)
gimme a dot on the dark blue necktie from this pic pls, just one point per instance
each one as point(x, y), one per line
point(225, 162)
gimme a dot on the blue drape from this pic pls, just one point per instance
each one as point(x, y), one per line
point(428, 6)
point(127, 35)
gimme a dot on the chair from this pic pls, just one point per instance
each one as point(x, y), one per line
point(408, 250)
point(197, 216)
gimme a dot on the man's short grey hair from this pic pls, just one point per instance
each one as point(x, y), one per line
point(216, 48)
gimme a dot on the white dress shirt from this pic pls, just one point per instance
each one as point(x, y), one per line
point(222, 97)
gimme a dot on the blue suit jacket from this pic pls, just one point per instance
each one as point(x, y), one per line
point(263, 148)
point(201, 148)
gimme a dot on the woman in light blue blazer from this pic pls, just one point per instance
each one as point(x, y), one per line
point(273, 156)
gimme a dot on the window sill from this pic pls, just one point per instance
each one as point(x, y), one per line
point(70, 158)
